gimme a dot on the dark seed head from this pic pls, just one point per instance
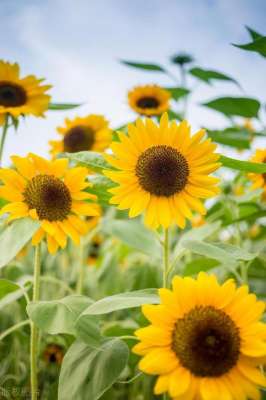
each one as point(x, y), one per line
point(206, 341)
point(148, 102)
point(162, 170)
point(79, 138)
point(49, 196)
point(12, 95)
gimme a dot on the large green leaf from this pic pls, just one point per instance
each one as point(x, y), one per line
point(87, 372)
point(240, 106)
point(207, 75)
point(200, 264)
point(90, 159)
point(258, 45)
point(231, 137)
point(145, 66)
point(247, 166)
point(122, 301)
point(177, 92)
point(58, 316)
point(14, 237)
point(134, 234)
point(62, 106)
point(254, 34)
point(101, 185)
point(9, 292)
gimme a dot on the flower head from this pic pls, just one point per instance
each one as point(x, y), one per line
point(149, 100)
point(162, 170)
point(205, 341)
point(259, 180)
point(51, 193)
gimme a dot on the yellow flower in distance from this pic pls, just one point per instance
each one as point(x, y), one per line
point(50, 192)
point(162, 170)
point(205, 341)
point(149, 100)
point(82, 134)
point(259, 180)
point(21, 96)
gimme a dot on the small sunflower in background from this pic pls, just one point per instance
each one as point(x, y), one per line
point(197, 221)
point(21, 96)
point(82, 134)
point(205, 341)
point(259, 180)
point(94, 250)
point(49, 192)
point(53, 354)
point(149, 100)
point(164, 171)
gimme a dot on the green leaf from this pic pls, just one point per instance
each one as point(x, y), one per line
point(88, 372)
point(200, 264)
point(90, 159)
point(247, 166)
point(62, 106)
point(58, 316)
point(101, 185)
point(207, 75)
point(9, 292)
point(173, 115)
point(258, 45)
point(254, 35)
point(134, 234)
point(14, 237)
point(240, 106)
point(145, 66)
point(122, 301)
point(231, 137)
point(177, 92)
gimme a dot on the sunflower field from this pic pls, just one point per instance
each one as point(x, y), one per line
point(133, 258)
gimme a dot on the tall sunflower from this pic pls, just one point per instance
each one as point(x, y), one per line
point(205, 341)
point(149, 100)
point(21, 96)
point(259, 180)
point(82, 134)
point(50, 192)
point(162, 170)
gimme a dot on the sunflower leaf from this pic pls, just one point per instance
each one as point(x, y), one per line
point(90, 159)
point(145, 66)
point(258, 45)
point(247, 166)
point(62, 106)
point(177, 92)
point(240, 106)
point(207, 75)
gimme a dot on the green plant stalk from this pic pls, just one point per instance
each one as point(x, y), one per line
point(81, 272)
point(34, 329)
point(3, 137)
point(13, 328)
point(165, 257)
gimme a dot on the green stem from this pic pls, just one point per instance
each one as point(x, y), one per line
point(3, 138)
point(165, 257)
point(34, 330)
point(13, 328)
point(79, 287)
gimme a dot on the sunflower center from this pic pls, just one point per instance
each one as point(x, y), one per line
point(148, 102)
point(12, 95)
point(79, 138)
point(49, 196)
point(162, 170)
point(206, 341)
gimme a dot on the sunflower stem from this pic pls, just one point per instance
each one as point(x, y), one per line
point(3, 137)
point(34, 330)
point(165, 256)
point(81, 272)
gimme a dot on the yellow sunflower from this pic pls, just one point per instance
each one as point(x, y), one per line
point(50, 192)
point(21, 95)
point(53, 354)
point(205, 341)
point(259, 180)
point(82, 134)
point(163, 170)
point(149, 100)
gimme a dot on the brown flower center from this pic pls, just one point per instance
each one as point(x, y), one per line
point(162, 170)
point(49, 196)
point(12, 95)
point(206, 341)
point(79, 138)
point(148, 102)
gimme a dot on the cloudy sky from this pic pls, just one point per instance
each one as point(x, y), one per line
point(76, 46)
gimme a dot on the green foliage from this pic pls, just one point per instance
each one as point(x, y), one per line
point(177, 92)
point(207, 75)
point(101, 185)
point(144, 66)
point(89, 159)
point(9, 292)
point(246, 166)
point(232, 137)
point(62, 106)
point(241, 106)
point(258, 44)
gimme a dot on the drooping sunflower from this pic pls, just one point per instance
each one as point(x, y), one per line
point(205, 341)
point(259, 180)
point(21, 96)
point(49, 192)
point(82, 134)
point(53, 354)
point(162, 170)
point(149, 100)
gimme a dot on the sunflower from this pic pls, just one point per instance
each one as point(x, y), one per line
point(82, 134)
point(149, 100)
point(259, 180)
point(205, 341)
point(94, 250)
point(21, 96)
point(53, 354)
point(50, 192)
point(163, 170)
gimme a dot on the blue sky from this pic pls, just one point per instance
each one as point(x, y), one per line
point(76, 45)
